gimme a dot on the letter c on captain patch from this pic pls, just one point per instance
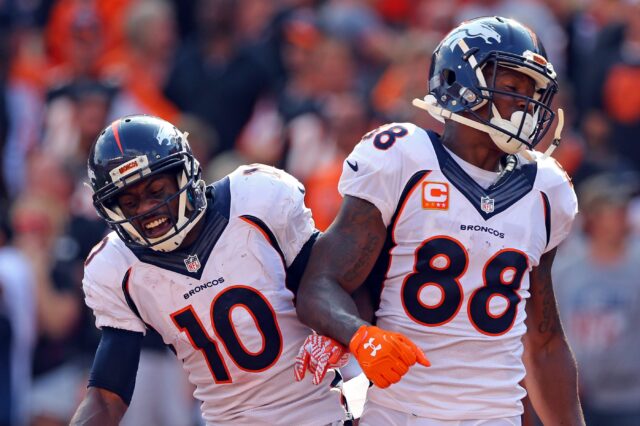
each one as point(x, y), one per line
point(435, 195)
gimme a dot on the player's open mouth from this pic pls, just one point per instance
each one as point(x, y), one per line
point(156, 227)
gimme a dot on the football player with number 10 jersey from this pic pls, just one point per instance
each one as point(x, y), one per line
point(454, 236)
point(214, 269)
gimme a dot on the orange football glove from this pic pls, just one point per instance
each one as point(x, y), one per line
point(384, 356)
point(319, 354)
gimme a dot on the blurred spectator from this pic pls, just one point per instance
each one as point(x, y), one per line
point(615, 72)
point(17, 330)
point(39, 217)
point(262, 139)
point(347, 122)
point(37, 221)
point(254, 18)
point(349, 21)
point(599, 154)
point(74, 115)
point(217, 77)
point(147, 59)
point(534, 13)
point(4, 117)
point(584, 26)
point(403, 80)
point(75, 38)
point(6, 341)
point(331, 71)
point(85, 36)
point(598, 293)
point(302, 36)
point(24, 106)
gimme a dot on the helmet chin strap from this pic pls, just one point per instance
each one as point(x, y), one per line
point(505, 142)
point(519, 121)
point(557, 136)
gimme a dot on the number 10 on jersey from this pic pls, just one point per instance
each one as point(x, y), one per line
point(258, 307)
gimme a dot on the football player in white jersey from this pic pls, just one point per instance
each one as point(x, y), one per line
point(454, 236)
point(214, 269)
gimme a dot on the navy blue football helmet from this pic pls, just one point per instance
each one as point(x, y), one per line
point(458, 85)
point(134, 148)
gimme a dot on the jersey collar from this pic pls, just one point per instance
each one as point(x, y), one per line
point(495, 199)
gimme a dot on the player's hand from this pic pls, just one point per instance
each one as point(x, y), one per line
point(319, 354)
point(384, 356)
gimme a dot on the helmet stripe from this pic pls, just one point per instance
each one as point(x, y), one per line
point(114, 128)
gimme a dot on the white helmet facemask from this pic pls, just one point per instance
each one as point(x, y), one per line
point(173, 238)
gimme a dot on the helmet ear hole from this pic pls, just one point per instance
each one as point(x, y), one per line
point(449, 76)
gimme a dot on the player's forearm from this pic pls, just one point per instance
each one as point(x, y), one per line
point(99, 408)
point(552, 384)
point(327, 308)
point(341, 260)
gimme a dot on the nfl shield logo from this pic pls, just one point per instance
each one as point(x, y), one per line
point(192, 263)
point(486, 204)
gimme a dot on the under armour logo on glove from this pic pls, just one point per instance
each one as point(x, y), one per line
point(375, 348)
point(384, 363)
point(319, 354)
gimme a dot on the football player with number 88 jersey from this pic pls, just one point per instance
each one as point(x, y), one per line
point(214, 269)
point(454, 236)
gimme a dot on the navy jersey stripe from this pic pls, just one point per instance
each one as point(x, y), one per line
point(299, 264)
point(296, 269)
point(376, 277)
point(127, 294)
point(547, 215)
point(265, 229)
point(153, 339)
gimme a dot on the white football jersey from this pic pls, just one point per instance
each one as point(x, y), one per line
point(224, 305)
point(453, 275)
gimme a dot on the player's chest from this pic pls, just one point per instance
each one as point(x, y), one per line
point(480, 223)
point(457, 256)
point(235, 274)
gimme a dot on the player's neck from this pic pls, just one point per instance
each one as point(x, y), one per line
point(193, 234)
point(473, 146)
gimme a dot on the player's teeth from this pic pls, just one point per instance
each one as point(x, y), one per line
point(156, 222)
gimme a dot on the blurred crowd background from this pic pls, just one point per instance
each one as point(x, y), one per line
point(294, 84)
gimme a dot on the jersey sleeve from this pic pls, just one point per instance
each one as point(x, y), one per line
point(374, 171)
point(277, 199)
point(102, 285)
point(563, 204)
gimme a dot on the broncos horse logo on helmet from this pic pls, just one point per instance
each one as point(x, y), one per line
point(138, 147)
point(473, 29)
point(457, 82)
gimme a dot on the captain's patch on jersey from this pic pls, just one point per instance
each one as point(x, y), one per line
point(435, 195)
